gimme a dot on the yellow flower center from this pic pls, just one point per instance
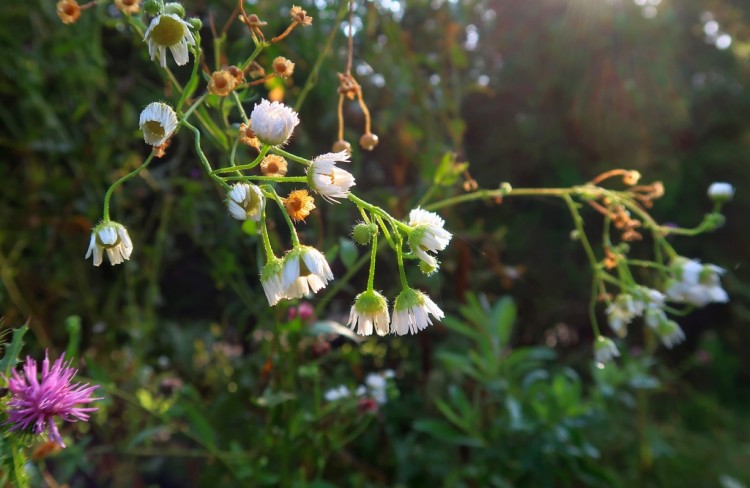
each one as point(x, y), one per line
point(153, 129)
point(168, 32)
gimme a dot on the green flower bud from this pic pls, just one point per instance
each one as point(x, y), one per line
point(425, 268)
point(153, 7)
point(175, 8)
point(713, 221)
point(195, 23)
point(363, 233)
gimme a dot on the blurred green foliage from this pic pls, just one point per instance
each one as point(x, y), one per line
point(207, 386)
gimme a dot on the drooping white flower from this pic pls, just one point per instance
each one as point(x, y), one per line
point(273, 122)
point(330, 181)
point(245, 201)
point(369, 313)
point(605, 350)
point(670, 333)
point(158, 122)
point(695, 283)
point(113, 238)
point(169, 31)
point(271, 277)
point(720, 192)
point(622, 311)
point(428, 235)
point(411, 312)
point(305, 270)
point(338, 393)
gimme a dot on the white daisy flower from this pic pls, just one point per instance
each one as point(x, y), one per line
point(169, 31)
point(605, 350)
point(411, 311)
point(245, 201)
point(271, 279)
point(428, 235)
point(622, 311)
point(305, 270)
point(670, 333)
point(113, 238)
point(273, 122)
point(720, 192)
point(330, 181)
point(369, 312)
point(158, 123)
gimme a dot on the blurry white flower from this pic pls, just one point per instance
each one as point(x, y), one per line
point(305, 269)
point(720, 192)
point(428, 235)
point(169, 31)
point(337, 393)
point(113, 238)
point(622, 311)
point(369, 312)
point(245, 201)
point(330, 181)
point(158, 122)
point(695, 283)
point(376, 386)
point(271, 279)
point(273, 122)
point(605, 350)
point(654, 316)
point(411, 311)
point(670, 333)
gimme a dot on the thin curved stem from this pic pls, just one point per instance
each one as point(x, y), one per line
point(108, 195)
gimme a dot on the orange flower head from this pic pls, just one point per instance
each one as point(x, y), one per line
point(222, 83)
point(128, 7)
point(273, 165)
point(299, 204)
point(282, 67)
point(247, 136)
point(68, 11)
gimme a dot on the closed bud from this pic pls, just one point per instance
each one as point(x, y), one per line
point(363, 233)
point(713, 221)
point(153, 7)
point(175, 8)
point(368, 141)
point(428, 268)
point(195, 23)
point(342, 145)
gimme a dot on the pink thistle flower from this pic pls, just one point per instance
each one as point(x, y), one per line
point(35, 403)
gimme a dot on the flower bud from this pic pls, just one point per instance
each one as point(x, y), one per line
point(342, 145)
point(195, 23)
point(713, 221)
point(363, 233)
point(720, 192)
point(153, 7)
point(175, 8)
point(368, 141)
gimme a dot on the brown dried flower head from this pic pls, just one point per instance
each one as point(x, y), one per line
point(631, 178)
point(237, 74)
point(256, 71)
point(68, 11)
point(247, 136)
point(222, 83)
point(254, 21)
point(342, 145)
point(299, 204)
point(368, 141)
point(300, 16)
point(273, 165)
point(128, 7)
point(282, 67)
point(161, 151)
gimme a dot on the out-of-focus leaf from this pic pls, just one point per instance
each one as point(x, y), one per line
point(324, 327)
point(11, 352)
point(444, 432)
point(349, 252)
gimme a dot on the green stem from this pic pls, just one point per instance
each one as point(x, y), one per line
point(202, 156)
point(379, 211)
point(195, 105)
point(647, 264)
point(400, 261)
point(275, 179)
point(108, 195)
point(253, 55)
point(292, 229)
point(243, 167)
point(264, 237)
point(291, 156)
point(243, 114)
point(192, 83)
point(373, 257)
point(500, 193)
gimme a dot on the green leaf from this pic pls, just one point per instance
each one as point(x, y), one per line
point(448, 171)
point(444, 432)
point(13, 350)
point(503, 317)
point(349, 252)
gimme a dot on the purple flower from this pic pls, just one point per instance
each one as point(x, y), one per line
point(36, 403)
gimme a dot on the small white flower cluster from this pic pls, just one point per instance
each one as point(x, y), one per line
point(411, 313)
point(375, 387)
point(695, 283)
point(640, 302)
point(302, 270)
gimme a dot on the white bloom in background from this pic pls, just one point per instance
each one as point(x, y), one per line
point(169, 31)
point(377, 384)
point(113, 238)
point(622, 311)
point(330, 181)
point(271, 277)
point(428, 235)
point(654, 316)
point(158, 123)
point(338, 393)
point(273, 122)
point(720, 192)
point(369, 313)
point(670, 333)
point(305, 270)
point(695, 283)
point(245, 201)
point(411, 312)
point(605, 350)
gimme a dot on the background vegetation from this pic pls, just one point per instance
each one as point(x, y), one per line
point(207, 386)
